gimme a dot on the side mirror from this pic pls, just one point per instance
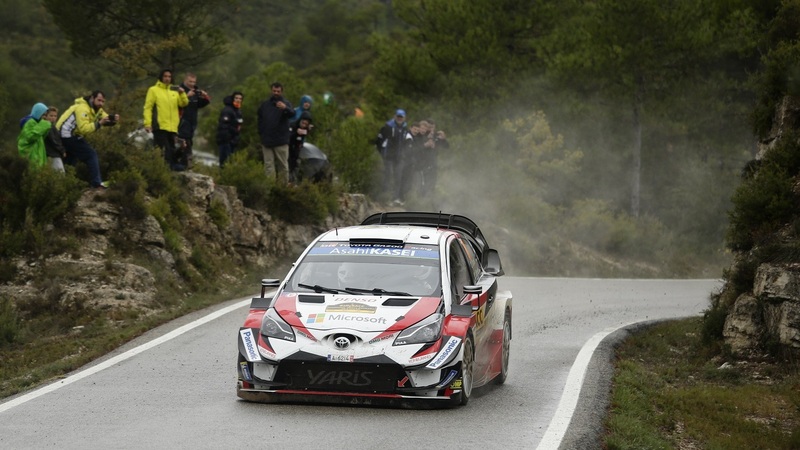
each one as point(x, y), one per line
point(269, 283)
point(473, 290)
point(493, 264)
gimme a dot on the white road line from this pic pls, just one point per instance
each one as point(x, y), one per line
point(121, 357)
point(572, 389)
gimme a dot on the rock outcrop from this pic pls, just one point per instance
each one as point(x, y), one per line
point(769, 313)
point(96, 272)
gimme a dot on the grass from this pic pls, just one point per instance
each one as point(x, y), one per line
point(670, 392)
point(46, 350)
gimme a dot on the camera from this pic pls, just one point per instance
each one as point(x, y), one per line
point(112, 120)
point(174, 88)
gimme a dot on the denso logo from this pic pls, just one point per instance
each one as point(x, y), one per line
point(249, 345)
point(444, 354)
point(340, 378)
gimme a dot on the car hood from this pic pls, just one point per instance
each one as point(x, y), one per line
point(366, 313)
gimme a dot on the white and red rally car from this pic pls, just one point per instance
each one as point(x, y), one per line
point(403, 310)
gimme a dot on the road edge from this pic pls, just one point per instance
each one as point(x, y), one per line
point(585, 429)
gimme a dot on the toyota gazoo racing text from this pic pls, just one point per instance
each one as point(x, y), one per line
point(402, 310)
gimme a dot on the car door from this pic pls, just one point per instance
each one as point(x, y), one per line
point(466, 270)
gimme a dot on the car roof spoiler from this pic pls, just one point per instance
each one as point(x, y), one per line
point(434, 220)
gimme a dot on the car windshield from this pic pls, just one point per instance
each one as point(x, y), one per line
point(400, 271)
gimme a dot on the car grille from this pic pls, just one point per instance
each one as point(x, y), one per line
point(339, 377)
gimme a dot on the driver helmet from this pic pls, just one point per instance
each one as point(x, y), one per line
point(347, 274)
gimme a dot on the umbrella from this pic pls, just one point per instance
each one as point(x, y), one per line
point(314, 163)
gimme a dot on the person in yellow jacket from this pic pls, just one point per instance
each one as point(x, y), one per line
point(30, 141)
point(161, 115)
point(82, 119)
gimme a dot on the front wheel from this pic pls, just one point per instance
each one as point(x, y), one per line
point(467, 366)
point(505, 351)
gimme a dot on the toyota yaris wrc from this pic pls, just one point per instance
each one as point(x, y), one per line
point(402, 310)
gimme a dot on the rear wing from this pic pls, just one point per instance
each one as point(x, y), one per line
point(434, 220)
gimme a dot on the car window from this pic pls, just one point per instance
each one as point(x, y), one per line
point(472, 259)
point(460, 275)
point(411, 269)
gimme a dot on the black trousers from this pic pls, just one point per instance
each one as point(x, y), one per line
point(166, 141)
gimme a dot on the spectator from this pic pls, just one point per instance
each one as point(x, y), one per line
point(274, 116)
point(30, 142)
point(198, 99)
point(305, 106)
point(409, 175)
point(54, 148)
point(229, 126)
point(82, 119)
point(300, 131)
point(433, 141)
point(161, 116)
point(391, 140)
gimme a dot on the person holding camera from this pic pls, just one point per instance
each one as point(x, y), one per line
point(198, 99)
point(82, 119)
point(161, 115)
point(433, 140)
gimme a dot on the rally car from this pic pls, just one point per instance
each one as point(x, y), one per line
point(402, 310)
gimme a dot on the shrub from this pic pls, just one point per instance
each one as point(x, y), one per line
point(128, 192)
point(307, 203)
point(49, 194)
point(764, 202)
point(218, 214)
point(353, 157)
point(247, 176)
point(9, 321)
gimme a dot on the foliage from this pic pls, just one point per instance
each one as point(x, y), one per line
point(305, 204)
point(219, 214)
point(9, 321)
point(127, 191)
point(669, 392)
point(765, 201)
point(353, 156)
point(781, 72)
point(247, 176)
point(31, 201)
point(543, 158)
point(179, 33)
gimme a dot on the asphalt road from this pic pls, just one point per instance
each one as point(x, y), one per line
point(174, 387)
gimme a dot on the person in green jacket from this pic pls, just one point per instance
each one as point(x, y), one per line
point(30, 142)
point(161, 115)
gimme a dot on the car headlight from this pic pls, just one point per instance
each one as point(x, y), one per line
point(424, 331)
point(272, 325)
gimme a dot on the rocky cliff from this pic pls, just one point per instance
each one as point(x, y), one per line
point(96, 272)
point(769, 313)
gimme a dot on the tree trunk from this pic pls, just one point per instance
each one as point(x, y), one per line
point(636, 186)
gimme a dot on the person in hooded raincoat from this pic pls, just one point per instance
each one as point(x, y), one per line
point(299, 133)
point(229, 126)
point(306, 102)
point(30, 141)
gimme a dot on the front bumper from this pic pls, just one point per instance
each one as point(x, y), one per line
point(347, 383)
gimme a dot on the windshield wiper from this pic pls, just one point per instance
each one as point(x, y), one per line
point(320, 289)
point(376, 291)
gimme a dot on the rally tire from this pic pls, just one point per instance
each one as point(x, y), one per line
point(467, 370)
point(505, 351)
